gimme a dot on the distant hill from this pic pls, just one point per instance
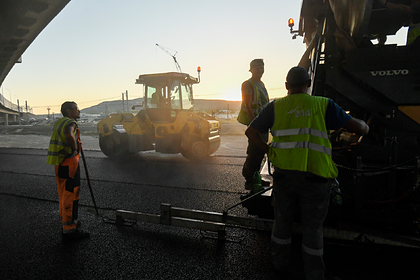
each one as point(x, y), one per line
point(210, 104)
point(116, 106)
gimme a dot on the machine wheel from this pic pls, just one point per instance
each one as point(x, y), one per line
point(199, 151)
point(112, 146)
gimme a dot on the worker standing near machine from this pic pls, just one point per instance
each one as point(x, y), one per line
point(301, 155)
point(63, 152)
point(254, 99)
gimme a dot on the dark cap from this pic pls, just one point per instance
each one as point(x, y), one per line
point(297, 75)
point(255, 63)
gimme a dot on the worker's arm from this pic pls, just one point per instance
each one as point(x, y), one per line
point(357, 126)
point(69, 134)
point(261, 125)
point(247, 102)
point(255, 137)
point(247, 99)
point(337, 118)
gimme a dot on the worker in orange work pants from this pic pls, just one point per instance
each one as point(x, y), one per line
point(64, 152)
point(68, 186)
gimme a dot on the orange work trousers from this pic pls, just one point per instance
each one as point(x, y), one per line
point(68, 185)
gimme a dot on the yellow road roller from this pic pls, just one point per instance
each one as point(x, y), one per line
point(167, 122)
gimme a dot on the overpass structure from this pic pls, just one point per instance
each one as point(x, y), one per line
point(8, 109)
point(21, 21)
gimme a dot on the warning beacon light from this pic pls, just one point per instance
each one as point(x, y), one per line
point(291, 23)
point(198, 72)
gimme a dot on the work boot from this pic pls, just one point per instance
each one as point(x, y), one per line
point(78, 234)
point(78, 225)
point(282, 270)
point(245, 196)
point(249, 185)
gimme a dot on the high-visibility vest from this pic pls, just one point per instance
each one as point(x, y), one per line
point(243, 116)
point(300, 137)
point(58, 148)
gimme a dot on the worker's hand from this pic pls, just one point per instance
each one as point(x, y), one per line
point(255, 137)
point(357, 126)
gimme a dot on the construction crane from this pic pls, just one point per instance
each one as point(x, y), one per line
point(173, 56)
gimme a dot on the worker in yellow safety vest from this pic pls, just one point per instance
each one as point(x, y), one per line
point(301, 154)
point(254, 99)
point(63, 153)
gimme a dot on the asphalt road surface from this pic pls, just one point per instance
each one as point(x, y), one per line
point(31, 246)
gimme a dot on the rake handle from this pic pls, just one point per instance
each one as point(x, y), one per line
point(88, 180)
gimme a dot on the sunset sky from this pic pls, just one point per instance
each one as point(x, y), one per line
point(95, 49)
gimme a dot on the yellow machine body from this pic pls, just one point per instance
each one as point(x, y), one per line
point(167, 123)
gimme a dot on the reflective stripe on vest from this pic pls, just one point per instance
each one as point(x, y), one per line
point(296, 131)
point(306, 145)
point(300, 138)
point(58, 148)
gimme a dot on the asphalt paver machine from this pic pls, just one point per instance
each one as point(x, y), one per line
point(350, 61)
point(167, 122)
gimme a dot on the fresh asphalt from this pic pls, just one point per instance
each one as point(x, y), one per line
point(31, 246)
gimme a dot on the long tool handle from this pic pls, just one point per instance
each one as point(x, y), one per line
point(249, 198)
point(88, 180)
point(225, 212)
